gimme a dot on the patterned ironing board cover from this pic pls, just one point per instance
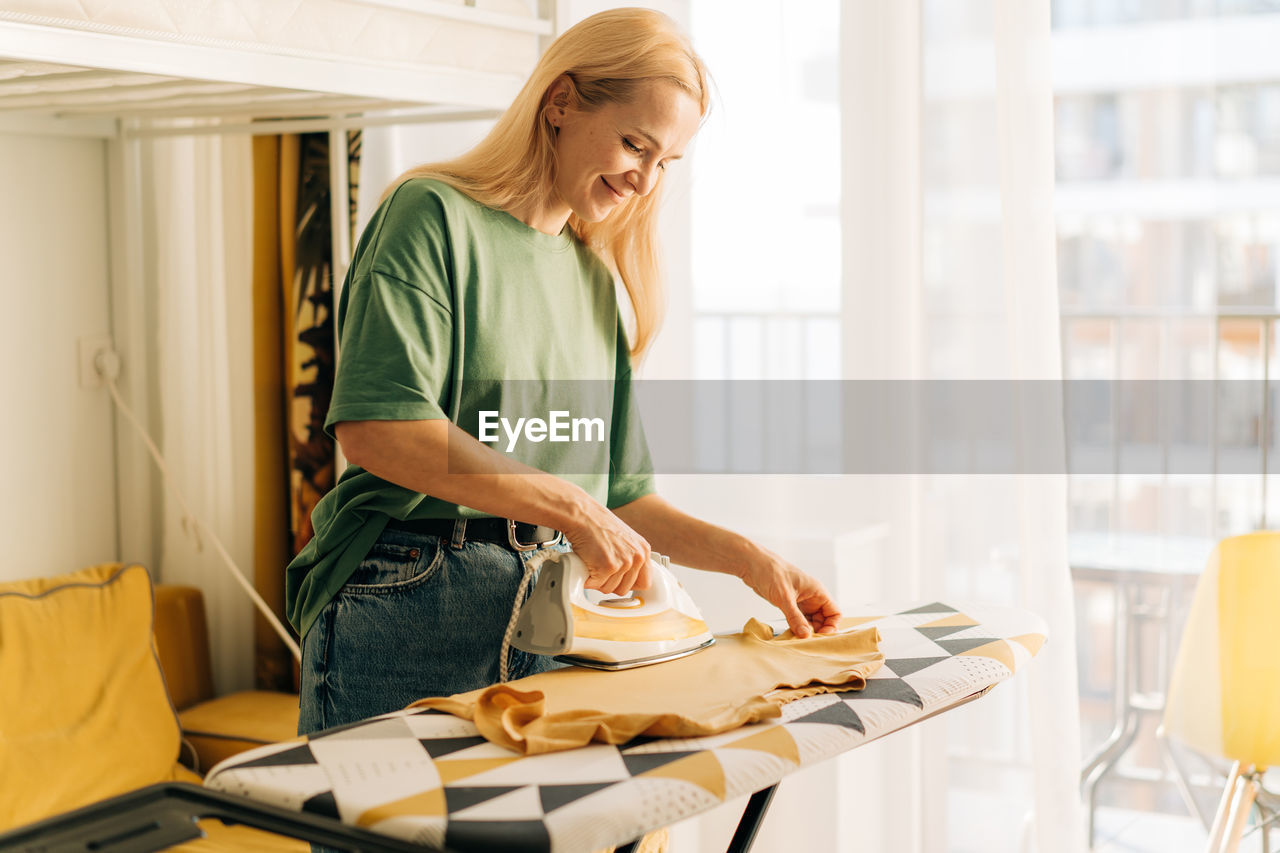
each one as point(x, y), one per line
point(428, 777)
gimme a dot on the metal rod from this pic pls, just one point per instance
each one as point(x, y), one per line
point(1117, 364)
point(1264, 431)
point(1223, 815)
point(309, 125)
point(340, 240)
point(752, 817)
point(1244, 807)
point(1213, 431)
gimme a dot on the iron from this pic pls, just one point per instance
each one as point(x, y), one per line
point(588, 628)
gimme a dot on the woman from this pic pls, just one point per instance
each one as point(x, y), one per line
point(485, 284)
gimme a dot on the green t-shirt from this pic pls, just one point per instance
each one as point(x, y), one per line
point(455, 310)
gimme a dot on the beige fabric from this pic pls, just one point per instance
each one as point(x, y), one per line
point(742, 679)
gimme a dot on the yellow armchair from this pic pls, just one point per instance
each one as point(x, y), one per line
point(86, 715)
point(1224, 696)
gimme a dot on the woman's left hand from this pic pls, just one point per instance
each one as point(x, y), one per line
point(802, 599)
point(692, 542)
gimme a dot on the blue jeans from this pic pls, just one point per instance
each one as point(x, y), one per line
point(418, 617)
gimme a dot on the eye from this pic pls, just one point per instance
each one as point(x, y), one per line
point(630, 146)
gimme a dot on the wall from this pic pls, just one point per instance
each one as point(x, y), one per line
point(57, 507)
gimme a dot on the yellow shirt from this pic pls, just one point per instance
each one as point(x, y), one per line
point(743, 678)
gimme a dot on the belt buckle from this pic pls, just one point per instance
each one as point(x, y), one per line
point(517, 545)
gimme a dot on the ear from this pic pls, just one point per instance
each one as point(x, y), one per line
point(558, 99)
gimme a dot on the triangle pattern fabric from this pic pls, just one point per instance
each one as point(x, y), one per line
point(902, 667)
point(699, 768)
point(957, 620)
point(835, 714)
point(452, 771)
point(322, 804)
point(463, 797)
point(996, 650)
point(774, 740)
point(430, 803)
point(892, 689)
point(1031, 642)
point(555, 796)
point(936, 607)
point(940, 631)
point(959, 647)
point(300, 754)
point(643, 762)
point(437, 747)
point(520, 803)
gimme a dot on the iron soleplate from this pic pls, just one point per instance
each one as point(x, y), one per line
point(617, 666)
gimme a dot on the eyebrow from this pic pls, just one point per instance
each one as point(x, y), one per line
point(653, 142)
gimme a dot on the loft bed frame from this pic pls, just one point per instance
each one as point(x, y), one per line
point(128, 73)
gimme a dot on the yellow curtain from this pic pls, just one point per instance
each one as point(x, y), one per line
point(273, 666)
point(293, 362)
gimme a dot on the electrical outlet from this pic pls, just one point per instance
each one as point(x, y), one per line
point(89, 349)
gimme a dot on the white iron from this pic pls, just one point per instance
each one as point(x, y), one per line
point(589, 628)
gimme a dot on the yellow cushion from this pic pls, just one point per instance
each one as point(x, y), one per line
point(182, 643)
point(228, 725)
point(85, 714)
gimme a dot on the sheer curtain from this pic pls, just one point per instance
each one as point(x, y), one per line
point(949, 274)
point(200, 270)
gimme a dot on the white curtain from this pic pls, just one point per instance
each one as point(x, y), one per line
point(198, 199)
point(948, 274)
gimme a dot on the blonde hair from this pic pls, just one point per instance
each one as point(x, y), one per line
point(605, 58)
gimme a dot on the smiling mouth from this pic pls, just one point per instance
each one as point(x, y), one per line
point(619, 196)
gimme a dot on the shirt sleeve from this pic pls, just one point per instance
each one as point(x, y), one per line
point(630, 466)
point(395, 322)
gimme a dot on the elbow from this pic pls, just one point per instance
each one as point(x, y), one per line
point(351, 438)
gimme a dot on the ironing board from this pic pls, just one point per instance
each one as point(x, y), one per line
point(420, 779)
point(427, 777)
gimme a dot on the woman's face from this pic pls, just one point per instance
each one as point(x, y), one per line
point(619, 150)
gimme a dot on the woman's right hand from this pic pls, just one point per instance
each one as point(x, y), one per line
point(617, 558)
point(436, 457)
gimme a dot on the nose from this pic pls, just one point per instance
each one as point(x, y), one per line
point(643, 178)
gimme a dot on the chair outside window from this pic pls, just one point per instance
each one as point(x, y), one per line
point(1224, 696)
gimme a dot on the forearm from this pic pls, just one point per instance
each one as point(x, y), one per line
point(687, 540)
point(691, 542)
point(437, 458)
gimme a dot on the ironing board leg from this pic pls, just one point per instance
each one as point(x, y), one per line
point(752, 817)
point(158, 816)
point(745, 835)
